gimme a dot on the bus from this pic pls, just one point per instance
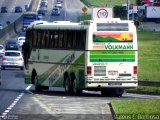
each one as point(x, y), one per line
point(30, 17)
point(96, 55)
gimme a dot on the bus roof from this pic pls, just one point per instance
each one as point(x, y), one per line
point(56, 25)
point(73, 25)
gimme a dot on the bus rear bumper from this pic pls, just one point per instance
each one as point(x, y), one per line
point(111, 84)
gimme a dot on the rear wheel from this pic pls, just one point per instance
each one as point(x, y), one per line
point(35, 81)
point(67, 84)
point(74, 89)
point(116, 92)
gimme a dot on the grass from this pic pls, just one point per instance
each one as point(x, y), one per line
point(136, 109)
point(105, 2)
point(149, 55)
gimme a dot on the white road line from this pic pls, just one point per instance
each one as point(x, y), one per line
point(9, 108)
point(29, 87)
point(49, 111)
point(4, 114)
point(6, 111)
point(13, 104)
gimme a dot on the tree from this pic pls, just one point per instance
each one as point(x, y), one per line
point(120, 12)
point(139, 2)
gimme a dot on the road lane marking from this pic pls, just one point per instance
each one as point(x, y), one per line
point(29, 87)
point(49, 111)
point(4, 114)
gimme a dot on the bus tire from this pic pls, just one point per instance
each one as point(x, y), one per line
point(73, 84)
point(115, 92)
point(67, 85)
point(104, 93)
point(33, 76)
point(74, 90)
point(119, 92)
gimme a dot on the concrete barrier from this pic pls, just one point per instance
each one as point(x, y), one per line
point(149, 83)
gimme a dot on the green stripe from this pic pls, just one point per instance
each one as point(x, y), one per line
point(112, 52)
point(112, 60)
point(112, 56)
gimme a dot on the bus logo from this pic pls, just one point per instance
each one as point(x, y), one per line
point(102, 13)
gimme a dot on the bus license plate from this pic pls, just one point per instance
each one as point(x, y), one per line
point(112, 72)
point(114, 84)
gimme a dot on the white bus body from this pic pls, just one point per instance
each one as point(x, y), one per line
point(90, 55)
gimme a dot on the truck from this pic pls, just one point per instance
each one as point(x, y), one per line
point(151, 2)
point(151, 13)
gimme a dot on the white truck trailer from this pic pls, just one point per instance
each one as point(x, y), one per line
point(152, 13)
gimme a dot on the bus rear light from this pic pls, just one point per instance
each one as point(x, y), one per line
point(135, 69)
point(89, 70)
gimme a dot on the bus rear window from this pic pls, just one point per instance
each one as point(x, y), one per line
point(112, 27)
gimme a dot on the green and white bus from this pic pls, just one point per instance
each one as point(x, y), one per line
point(99, 55)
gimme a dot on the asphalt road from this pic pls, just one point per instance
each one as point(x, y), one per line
point(54, 103)
point(20, 102)
point(70, 10)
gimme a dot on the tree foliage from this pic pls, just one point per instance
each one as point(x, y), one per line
point(120, 12)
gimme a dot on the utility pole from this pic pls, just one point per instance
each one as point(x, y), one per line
point(128, 9)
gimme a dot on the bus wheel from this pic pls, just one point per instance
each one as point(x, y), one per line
point(33, 76)
point(104, 92)
point(116, 92)
point(119, 92)
point(67, 85)
point(74, 89)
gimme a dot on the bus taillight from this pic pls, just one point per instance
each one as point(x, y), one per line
point(89, 70)
point(135, 69)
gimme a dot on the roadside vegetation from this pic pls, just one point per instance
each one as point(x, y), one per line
point(148, 55)
point(137, 109)
point(105, 2)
